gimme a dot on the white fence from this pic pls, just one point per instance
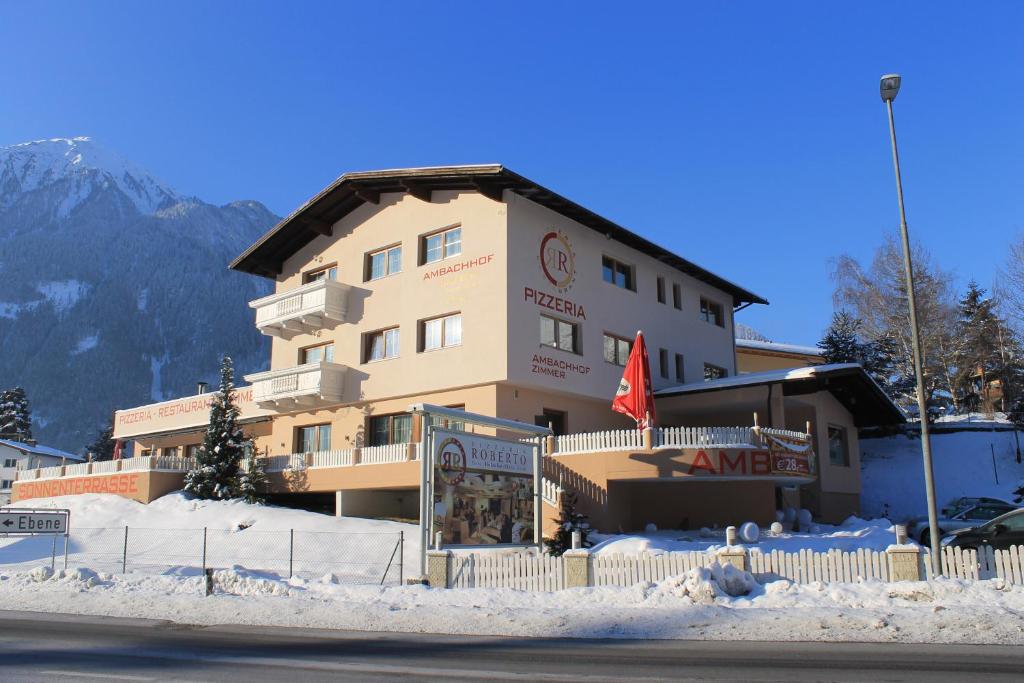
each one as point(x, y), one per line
point(378, 455)
point(614, 440)
point(342, 458)
point(545, 572)
point(550, 491)
point(75, 470)
point(106, 466)
point(700, 437)
point(523, 572)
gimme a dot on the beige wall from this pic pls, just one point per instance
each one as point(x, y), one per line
point(143, 485)
point(408, 297)
point(755, 360)
point(607, 308)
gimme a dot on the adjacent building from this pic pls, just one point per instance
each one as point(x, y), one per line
point(18, 455)
point(476, 288)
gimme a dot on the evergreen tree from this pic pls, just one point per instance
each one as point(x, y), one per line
point(569, 520)
point(15, 415)
point(103, 447)
point(252, 481)
point(217, 463)
point(975, 348)
point(842, 343)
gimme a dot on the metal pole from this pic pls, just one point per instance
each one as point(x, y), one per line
point(204, 550)
point(124, 553)
point(291, 553)
point(53, 554)
point(401, 557)
point(425, 502)
point(926, 442)
point(65, 551)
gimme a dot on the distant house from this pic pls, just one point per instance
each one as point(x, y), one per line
point(15, 455)
point(761, 356)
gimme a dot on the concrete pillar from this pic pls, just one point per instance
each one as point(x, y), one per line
point(577, 568)
point(549, 445)
point(648, 437)
point(904, 563)
point(357, 455)
point(439, 568)
point(337, 504)
point(734, 555)
point(410, 452)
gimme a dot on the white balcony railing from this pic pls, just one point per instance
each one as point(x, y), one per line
point(302, 310)
point(702, 437)
point(378, 455)
point(302, 385)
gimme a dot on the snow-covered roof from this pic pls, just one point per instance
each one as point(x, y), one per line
point(848, 382)
point(40, 450)
point(778, 348)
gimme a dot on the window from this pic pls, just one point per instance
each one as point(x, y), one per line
point(986, 512)
point(559, 334)
point(677, 297)
point(440, 333)
point(146, 452)
point(317, 354)
point(313, 438)
point(616, 349)
point(1013, 523)
point(663, 361)
point(381, 345)
point(10, 462)
point(661, 290)
point(171, 452)
point(838, 453)
point(711, 312)
point(618, 274)
point(384, 262)
point(388, 429)
point(6, 484)
point(441, 245)
point(446, 423)
point(680, 373)
point(192, 450)
point(714, 372)
point(328, 273)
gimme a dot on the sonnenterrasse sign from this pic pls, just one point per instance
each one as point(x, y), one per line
point(180, 414)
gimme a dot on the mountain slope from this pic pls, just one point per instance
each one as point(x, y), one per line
point(114, 288)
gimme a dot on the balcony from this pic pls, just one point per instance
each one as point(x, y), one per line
point(302, 386)
point(302, 310)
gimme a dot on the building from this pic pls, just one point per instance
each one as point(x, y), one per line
point(759, 356)
point(17, 455)
point(474, 287)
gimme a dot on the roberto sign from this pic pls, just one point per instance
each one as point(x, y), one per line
point(484, 491)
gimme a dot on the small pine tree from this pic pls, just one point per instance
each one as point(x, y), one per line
point(103, 447)
point(569, 520)
point(842, 344)
point(217, 463)
point(252, 479)
point(15, 415)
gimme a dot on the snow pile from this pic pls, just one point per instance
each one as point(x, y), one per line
point(970, 463)
point(709, 603)
point(852, 534)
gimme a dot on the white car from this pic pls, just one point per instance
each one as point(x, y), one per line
point(963, 518)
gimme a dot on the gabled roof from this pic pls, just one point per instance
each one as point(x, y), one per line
point(352, 190)
point(848, 382)
point(40, 450)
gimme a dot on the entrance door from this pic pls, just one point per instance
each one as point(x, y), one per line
point(556, 419)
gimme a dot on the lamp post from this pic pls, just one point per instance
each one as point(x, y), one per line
point(890, 85)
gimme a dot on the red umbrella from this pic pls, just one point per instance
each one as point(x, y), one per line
point(635, 396)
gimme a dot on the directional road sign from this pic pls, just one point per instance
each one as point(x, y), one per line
point(15, 521)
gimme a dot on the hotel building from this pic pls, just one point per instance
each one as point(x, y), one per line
point(474, 287)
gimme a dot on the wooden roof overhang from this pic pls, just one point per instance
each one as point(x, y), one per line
point(318, 215)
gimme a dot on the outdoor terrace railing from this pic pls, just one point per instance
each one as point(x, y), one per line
point(673, 437)
point(378, 455)
point(615, 440)
point(698, 437)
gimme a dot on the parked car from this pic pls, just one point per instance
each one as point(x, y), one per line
point(961, 504)
point(971, 516)
point(998, 534)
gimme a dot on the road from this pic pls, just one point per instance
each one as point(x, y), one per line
point(73, 649)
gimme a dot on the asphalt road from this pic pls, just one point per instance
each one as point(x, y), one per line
point(64, 648)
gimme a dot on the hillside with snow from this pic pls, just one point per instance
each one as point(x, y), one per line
point(975, 461)
point(115, 289)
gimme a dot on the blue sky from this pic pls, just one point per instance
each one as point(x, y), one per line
point(747, 137)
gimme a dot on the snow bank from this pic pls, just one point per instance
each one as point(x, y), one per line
point(852, 534)
point(709, 603)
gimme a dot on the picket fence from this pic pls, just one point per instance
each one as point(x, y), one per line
point(546, 572)
point(701, 437)
point(613, 440)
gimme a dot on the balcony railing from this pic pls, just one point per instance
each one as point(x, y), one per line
point(303, 385)
point(302, 310)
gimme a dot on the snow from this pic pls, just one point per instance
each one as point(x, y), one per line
point(776, 346)
point(707, 603)
point(768, 377)
point(31, 165)
point(11, 310)
point(63, 294)
point(156, 391)
point(39, 449)
point(892, 475)
point(852, 534)
point(85, 344)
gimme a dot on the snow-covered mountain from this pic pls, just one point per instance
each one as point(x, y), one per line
point(114, 288)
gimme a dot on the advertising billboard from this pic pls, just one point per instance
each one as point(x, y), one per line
point(483, 490)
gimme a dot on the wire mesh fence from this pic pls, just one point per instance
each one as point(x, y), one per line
point(367, 558)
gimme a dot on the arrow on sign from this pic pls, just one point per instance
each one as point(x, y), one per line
point(8, 522)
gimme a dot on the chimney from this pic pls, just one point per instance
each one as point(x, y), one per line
point(200, 387)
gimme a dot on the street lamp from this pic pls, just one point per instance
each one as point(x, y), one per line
point(889, 86)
